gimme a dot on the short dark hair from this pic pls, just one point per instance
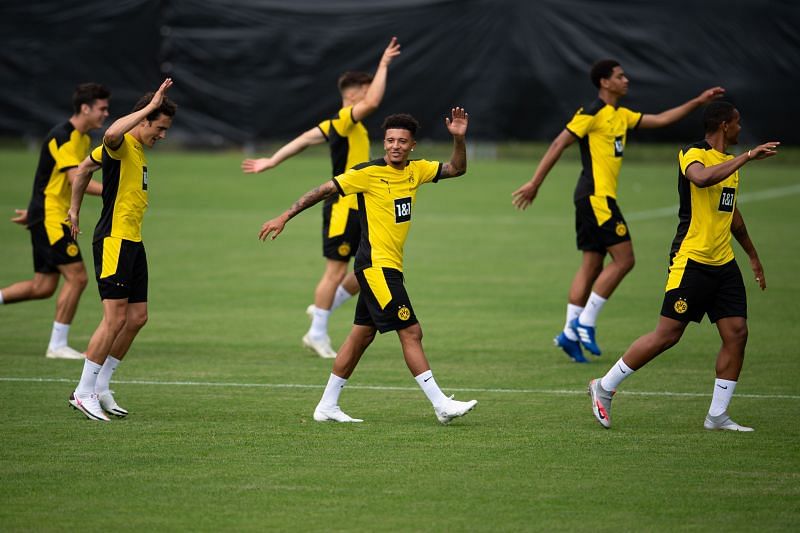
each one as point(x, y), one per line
point(353, 79)
point(716, 113)
point(401, 121)
point(602, 70)
point(87, 93)
point(167, 107)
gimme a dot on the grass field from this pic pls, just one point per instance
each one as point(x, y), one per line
point(221, 393)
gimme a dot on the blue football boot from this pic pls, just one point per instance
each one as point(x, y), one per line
point(586, 336)
point(570, 347)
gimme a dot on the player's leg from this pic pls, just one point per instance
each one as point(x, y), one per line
point(316, 338)
point(608, 231)
point(729, 311)
point(643, 350)
point(84, 397)
point(348, 357)
point(590, 267)
point(43, 285)
point(75, 280)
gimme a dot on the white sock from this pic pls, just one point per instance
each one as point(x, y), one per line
point(330, 398)
point(340, 297)
point(88, 377)
point(58, 337)
point(1, 298)
point(573, 311)
point(593, 307)
point(430, 388)
point(619, 372)
point(723, 392)
point(104, 377)
point(319, 323)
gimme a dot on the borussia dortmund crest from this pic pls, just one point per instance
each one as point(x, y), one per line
point(681, 306)
point(621, 229)
point(72, 250)
point(344, 249)
point(404, 313)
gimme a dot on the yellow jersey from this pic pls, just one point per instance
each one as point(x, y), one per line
point(385, 197)
point(124, 190)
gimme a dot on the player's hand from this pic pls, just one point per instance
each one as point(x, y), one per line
point(758, 270)
point(392, 51)
point(272, 228)
point(763, 151)
point(711, 94)
point(254, 166)
point(21, 218)
point(72, 220)
point(524, 196)
point(158, 97)
point(457, 125)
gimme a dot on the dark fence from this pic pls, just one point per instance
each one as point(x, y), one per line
point(247, 70)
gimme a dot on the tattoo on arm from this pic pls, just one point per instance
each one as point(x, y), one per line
point(312, 197)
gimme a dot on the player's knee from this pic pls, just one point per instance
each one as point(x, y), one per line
point(626, 263)
point(42, 290)
point(137, 321)
point(115, 323)
point(738, 334)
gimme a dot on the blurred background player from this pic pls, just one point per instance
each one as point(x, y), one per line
point(349, 145)
point(55, 251)
point(387, 189)
point(703, 275)
point(120, 260)
point(601, 129)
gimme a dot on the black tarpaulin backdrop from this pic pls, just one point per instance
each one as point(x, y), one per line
point(247, 70)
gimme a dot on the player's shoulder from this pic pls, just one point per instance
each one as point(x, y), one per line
point(592, 108)
point(61, 132)
point(380, 162)
point(697, 145)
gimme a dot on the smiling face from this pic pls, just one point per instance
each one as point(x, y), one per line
point(149, 132)
point(96, 113)
point(398, 144)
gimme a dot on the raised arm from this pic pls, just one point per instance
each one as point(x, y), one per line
point(115, 133)
point(374, 95)
point(676, 113)
point(703, 176)
point(293, 147)
point(524, 196)
point(82, 177)
point(739, 231)
point(457, 126)
point(312, 197)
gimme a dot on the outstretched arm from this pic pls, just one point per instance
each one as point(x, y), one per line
point(457, 126)
point(94, 187)
point(676, 113)
point(83, 175)
point(739, 231)
point(312, 197)
point(121, 126)
point(524, 196)
point(293, 147)
point(707, 176)
point(374, 95)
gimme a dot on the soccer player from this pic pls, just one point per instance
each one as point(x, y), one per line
point(386, 190)
point(55, 252)
point(600, 128)
point(119, 257)
point(703, 275)
point(349, 145)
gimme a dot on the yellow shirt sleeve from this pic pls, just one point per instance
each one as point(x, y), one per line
point(427, 170)
point(351, 182)
point(120, 151)
point(693, 155)
point(632, 118)
point(67, 155)
point(97, 155)
point(342, 123)
point(581, 124)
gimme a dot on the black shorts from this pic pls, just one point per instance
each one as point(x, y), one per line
point(383, 302)
point(120, 268)
point(347, 232)
point(599, 224)
point(47, 257)
point(695, 289)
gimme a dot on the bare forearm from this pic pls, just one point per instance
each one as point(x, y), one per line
point(123, 125)
point(310, 198)
point(708, 176)
point(739, 231)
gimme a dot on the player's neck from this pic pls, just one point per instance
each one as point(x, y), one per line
point(396, 166)
point(79, 123)
point(717, 141)
point(608, 97)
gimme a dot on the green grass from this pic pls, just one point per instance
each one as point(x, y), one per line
point(220, 434)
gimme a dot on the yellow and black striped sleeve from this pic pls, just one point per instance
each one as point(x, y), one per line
point(632, 118)
point(352, 181)
point(689, 155)
point(581, 123)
